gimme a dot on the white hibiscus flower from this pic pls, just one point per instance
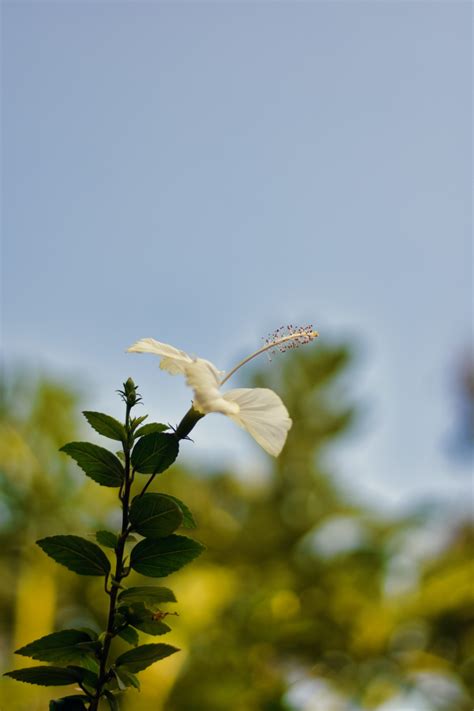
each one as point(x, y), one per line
point(260, 411)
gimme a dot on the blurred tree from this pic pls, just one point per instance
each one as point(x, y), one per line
point(310, 572)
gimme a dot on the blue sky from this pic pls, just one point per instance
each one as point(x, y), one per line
point(202, 172)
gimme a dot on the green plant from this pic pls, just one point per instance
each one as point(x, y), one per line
point(81, 656)
point(147, 542)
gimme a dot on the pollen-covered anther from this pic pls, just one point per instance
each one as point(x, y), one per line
point(288, 337)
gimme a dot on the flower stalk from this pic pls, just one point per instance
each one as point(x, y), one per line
point(119, 554)
point(189, 421)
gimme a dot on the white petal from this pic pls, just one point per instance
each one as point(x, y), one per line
point(172, 359)
point(263, 415)
point(204, 378)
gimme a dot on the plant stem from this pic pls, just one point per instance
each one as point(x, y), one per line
point(119, 568)
point(183, 430)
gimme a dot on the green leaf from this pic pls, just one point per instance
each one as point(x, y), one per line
point(98, 463)
point(158, 558)
point(141, 657)
point(77, 554)
point(153, 627)
point(136, 421)
point(150, 428)
point(150, 594)
point(107, 539)
point(143, 619)
point(188, 518)
point(113, 703)
point(106, 425)
point(86, 676)
point(88, 630)
point(69, 703)
point(45, 676)
point(126, 678)
point(91, 662)
point(64, 646)
point(129, 635)
point(154, 515)
point(154, 453)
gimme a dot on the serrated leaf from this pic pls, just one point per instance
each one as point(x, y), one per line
point(149, 594)
point(188, 518)
point(64, 646)
point(154, 453)
point(150, 428)
point(113, 702)
point(160, 557)
point(77, 554)
point(126, 678)
point(69, 703)
point(106, 425)
point(45, 676)
point(130, 635)
point(98, 463)
point(155, 516)
point(142, 657)
point(141, 617)
point(107, 539)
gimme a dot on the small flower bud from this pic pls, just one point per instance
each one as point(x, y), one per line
point(129, 393)
point(129, 387)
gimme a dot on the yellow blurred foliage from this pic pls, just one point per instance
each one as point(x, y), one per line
point(262, 606)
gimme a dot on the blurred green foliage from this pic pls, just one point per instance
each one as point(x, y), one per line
point(306, 598)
